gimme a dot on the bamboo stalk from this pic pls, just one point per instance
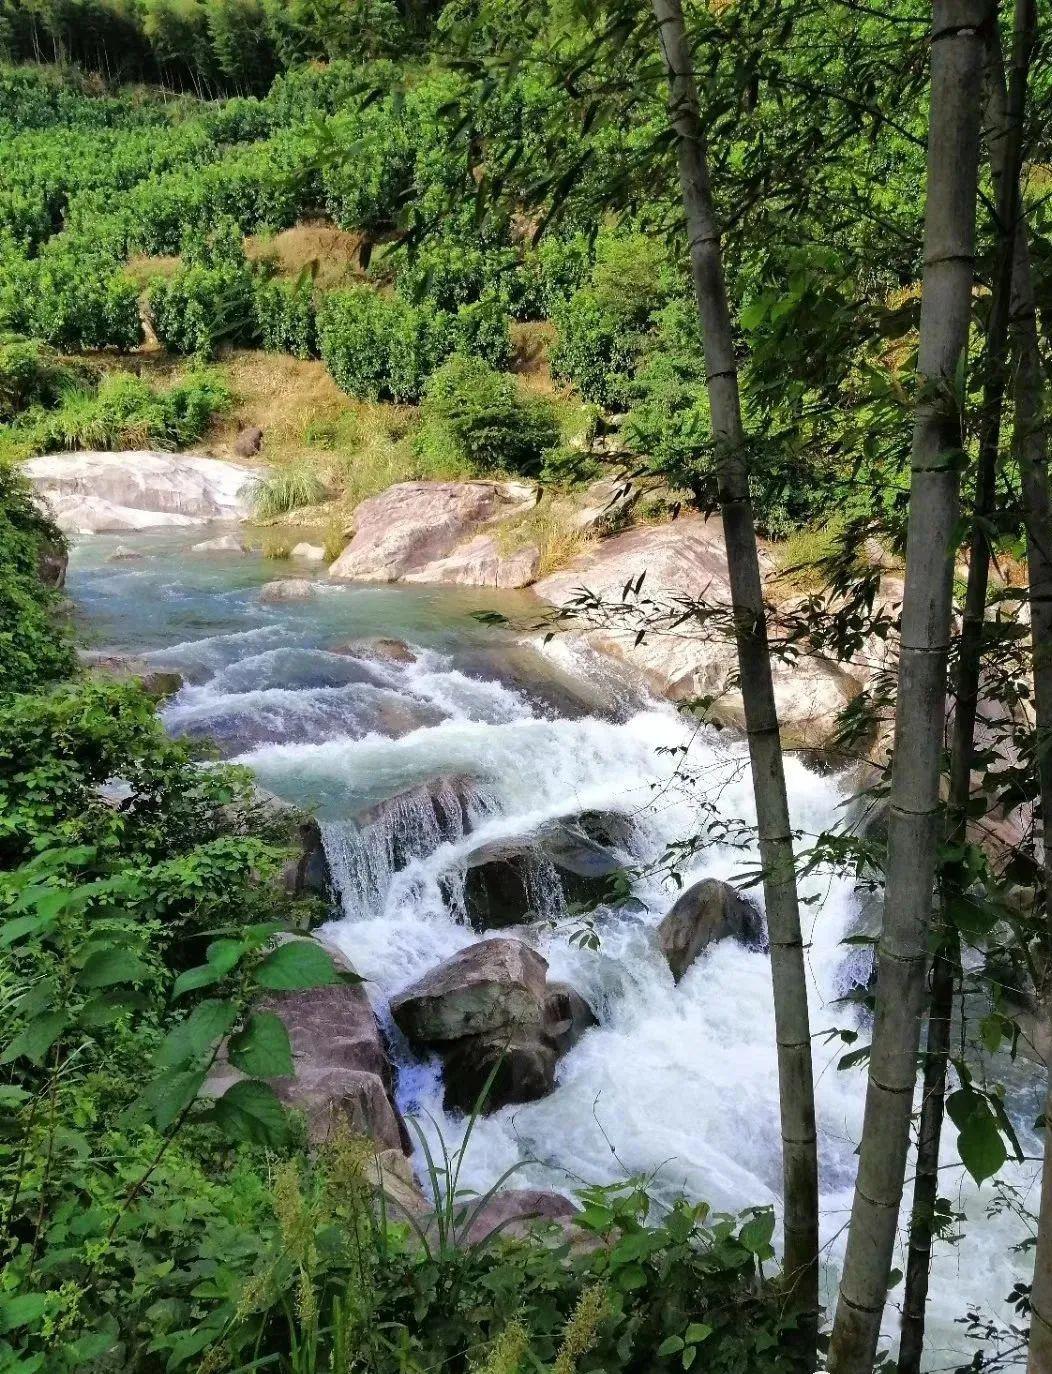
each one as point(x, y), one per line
point(915, 819)
point(792, 1024)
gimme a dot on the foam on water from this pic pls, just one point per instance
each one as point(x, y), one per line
point(679, 1083)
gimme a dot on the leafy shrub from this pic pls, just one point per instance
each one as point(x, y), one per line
point(285, 317)
point(481, 411)
point(69, 296)
point(450, 272)
point(30, 374)
point(286, 490)
point(34, 649)
point(210, 299)
point(383, 348)
point(123, 411)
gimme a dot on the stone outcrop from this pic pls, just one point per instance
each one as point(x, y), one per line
point(312, 553)
point(414, 524)
point(157, 683)
point(480, 563)
point(52, 563)
point(489, 1010)
point(687, 559)
point(343, 1073)
point(379, 650)
point(707, 912)
point(225, 543)
point(90, 493)
point(307, 871)
point(248, 442)
point(607, 503)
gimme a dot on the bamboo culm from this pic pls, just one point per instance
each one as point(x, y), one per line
point(915, 818)
point(792, 1024)
point(1004, 139)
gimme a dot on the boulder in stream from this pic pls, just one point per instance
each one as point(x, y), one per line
point(707, 912)
point(287, 589)
point(157, 683)
point(489, 1010)
point(379, 650)
point(225, 543)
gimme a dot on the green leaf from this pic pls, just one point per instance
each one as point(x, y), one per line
point(205, 1025)
point(671, 1346)
point(262, 1049)
point(113, 965)
point(297, 964)
point(21, 1310)
point(698, 1332)
point(631, 1277)
point(35, 1039)
point(981, 1147)
point(756, 1234)
point(169, 1094)
point(109, 1007)
point(20, 926)
point(250, 1111)
point(689, 1356)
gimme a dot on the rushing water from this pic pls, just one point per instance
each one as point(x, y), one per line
point(678, 1083)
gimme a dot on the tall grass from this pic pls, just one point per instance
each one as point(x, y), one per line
point(287, 489)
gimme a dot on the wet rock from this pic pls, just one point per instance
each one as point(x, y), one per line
point(226, 543)
point(287, 589)
point(313, 553)
point(157, 683)
point(524, 669)
point(493, 988)
point(123, 554)
point(89, 493)
point(707, 912)
point(507, 881)
point(248, 442)
point(480, 563)
point(282, 823)
point(489, 1011)
point(380, 650)
point(413, 524)
point(414, 822)
point(566, 1017)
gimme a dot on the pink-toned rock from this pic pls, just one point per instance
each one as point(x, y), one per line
point(686, 561)
point(413, 524)
point(480, 563)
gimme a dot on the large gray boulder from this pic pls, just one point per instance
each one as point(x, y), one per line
point(89, 493)
point(414, 524)
point(707, 912)
point(489, 1011)
point(495, 987)
point(687, 560)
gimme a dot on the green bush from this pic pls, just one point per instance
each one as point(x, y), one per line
point(34, 648)
point(69, 296)
point(286, 317)
point(382, 348)
point(30, 374)
point(481, 414)
point(210, 299)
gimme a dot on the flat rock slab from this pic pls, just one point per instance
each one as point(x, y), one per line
point(480, 563)
point(97, 492)
point(413, 524)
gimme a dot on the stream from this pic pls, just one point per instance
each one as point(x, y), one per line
point(678, 1083)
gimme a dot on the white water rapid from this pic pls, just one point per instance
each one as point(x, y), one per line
point(678, 1083)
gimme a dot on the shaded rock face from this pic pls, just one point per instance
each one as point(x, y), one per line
point(707, 912)
point(480, 563)
point(607, 503)
point(157, 683)
point(248, 442)
point(52, 562)
point(489, 1010)
point(508, 883)
point(90, 493)
point(308, 871)
point(688, 559)
point(414, 524)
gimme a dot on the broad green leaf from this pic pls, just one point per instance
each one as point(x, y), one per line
point(169, 1094)
point(756, 1234)
point(21, 1310)
point(108, 1007)
point(201, 977)
point(671, 1346)
point(297, 964)
point(20, 926)
point(632, 1276)
point(109, 966)
point(250, 1111)
point(981, 1146)
point(35, 1039)
point(262, 1049)
point(205, 1025)
point(698, 1332)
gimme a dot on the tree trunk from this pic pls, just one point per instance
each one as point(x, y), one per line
point(792, 1025)
point(1005, 128)
point(915, 818)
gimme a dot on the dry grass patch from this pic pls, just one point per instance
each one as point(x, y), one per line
point(333, 255)
point(531, 345)
point(551, 525)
